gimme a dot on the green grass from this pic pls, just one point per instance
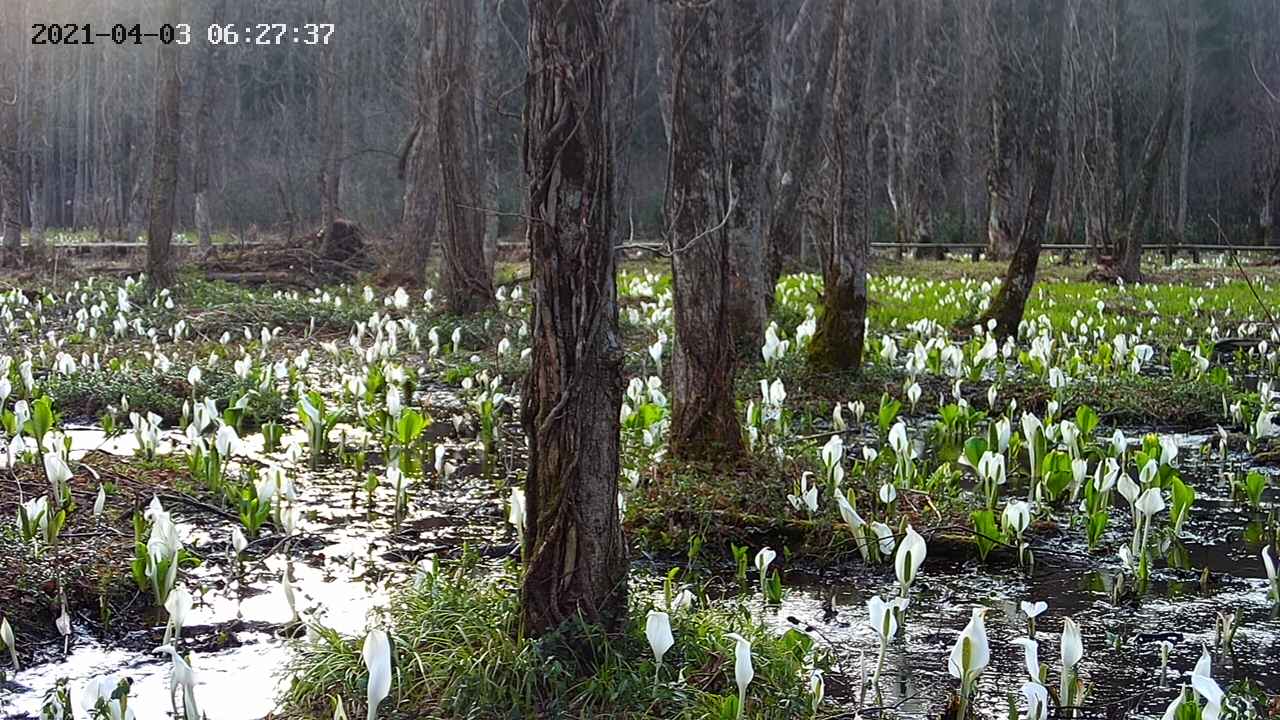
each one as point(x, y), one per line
point(90, 393)
point(458, 653)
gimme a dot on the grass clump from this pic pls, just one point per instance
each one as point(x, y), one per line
point(92, 393)
point(458, 653)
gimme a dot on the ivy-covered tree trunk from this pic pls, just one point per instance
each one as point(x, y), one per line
point(704, 421)
point(466, 275)
point(164, 168)
point(1011, 300)
point(746, 121)
point(838, 342)
point(576, 563)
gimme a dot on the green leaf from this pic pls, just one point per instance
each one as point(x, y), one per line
point(986, 532)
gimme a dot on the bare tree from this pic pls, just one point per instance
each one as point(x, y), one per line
point(10, 167)
point(745, 119)
point(164, 166)
point(1192, 21)
point(793, 150)
point(465, 274)
point(330, 105)
point(1000, 238)
point(419, 158)
point(1047, 25)
point(210, 69)
point(576, 565)
point(704, 423)
point(1142, 190)
point(838, 342)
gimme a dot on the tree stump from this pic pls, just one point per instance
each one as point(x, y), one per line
point(343, 244)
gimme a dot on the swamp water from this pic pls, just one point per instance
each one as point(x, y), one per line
point(344, 557)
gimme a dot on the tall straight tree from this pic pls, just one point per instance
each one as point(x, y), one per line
point(746, 121)
point(576, 563)
point(419, 161)
point(1046, 22)
point(1141, 194)
point(329, 106)
point(704, 422)
point(10, 167)
point(1003, 136)
point(838, 341)
point(796, 152)
point(164, 164)
point(204, 150)
point(466, 275)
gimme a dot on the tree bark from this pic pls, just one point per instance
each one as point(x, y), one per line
point(419, 162)
point(1000, 239)
point(1188, 99)
point(204, 151)
point(746, 121)
point(799, 159)
point(838, 342)
point(330, 106)
point(10, 168)
point(466, 277)
point(1011, 300)
point(1144, 180)
point(662, 62)
point(164, 167)
point(704, 422)
point(576, 563)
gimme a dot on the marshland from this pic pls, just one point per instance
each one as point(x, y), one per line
point(812, 359)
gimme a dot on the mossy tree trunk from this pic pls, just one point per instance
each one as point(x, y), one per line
point(466, 273)
point(576, 563)
point(1010, 302)
point(164, 153)
point(838, 342)
point(704, 422)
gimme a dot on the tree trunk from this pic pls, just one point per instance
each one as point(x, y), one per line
point(420, 164)
point(745, 119)
point(576, 563)
point(40, 146)
point(164, 165)
point(488, 92)
point(1000, 168)
point(1188, 98)
point(837, 344)
point(330, 107)
point(10, 168)
point(662, 62)
point(466, 277)
point(204, 151)
point(704, 419)
point(1144, 180)
point(799, 159)
point(1011, 300)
